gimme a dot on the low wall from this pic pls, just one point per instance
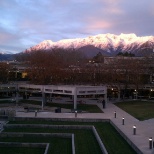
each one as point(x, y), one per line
point(14, 134)
point(74, 127)
point(28, 145)
point(36, 145)
point(20, 144)
point(99, 141)
point(58, 119)
point(138, 151)
point(103, 149)
point(73, 144)
point(47, 126)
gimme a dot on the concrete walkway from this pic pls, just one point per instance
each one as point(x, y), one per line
point(144, 129)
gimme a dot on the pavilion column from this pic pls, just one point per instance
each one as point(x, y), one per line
point(17, 94)
point(43, 98)
point(105, 97)
point(75, 98)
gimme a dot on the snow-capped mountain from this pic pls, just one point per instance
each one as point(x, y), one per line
point(6, 55)
point(107, 44)
point(3, 52)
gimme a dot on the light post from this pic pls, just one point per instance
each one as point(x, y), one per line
point(76, 114)
point(35, 113)
point(134, 130)
point(135, 94)
point(112, 93)
point(150, 143)
point(150, 93)
point(115, 114)
point(123, 121)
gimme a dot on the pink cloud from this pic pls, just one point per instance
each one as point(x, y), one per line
point(98, 25)
point(6, 37)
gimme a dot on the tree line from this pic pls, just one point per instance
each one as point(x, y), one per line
point(61, 66)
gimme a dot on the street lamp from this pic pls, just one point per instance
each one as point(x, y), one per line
point(135, 94)
point(115, 114)
point(123, 121)
point(150, 143)
point(76, 113)
point(150, 93)
point(112, 93)
point(35, 113)
point(134, 130)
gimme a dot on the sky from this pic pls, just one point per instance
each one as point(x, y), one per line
point(25, 23)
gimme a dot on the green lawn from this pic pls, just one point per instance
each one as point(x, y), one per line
point(85, 141)
point(83, 107)
point(6, 101)
point(21, 150)
point(142, 110)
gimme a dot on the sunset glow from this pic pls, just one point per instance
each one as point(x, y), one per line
point(26, 23)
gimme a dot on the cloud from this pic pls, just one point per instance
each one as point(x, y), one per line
point(94, 25)
point(24, 23)
point(5, 38)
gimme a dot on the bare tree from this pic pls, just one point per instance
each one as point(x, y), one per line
point(48, 67)
point(4, 72)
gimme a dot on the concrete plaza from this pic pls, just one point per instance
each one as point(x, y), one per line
point(144, 129)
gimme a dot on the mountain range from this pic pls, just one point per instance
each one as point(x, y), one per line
point(107, 44)
point(6, 57)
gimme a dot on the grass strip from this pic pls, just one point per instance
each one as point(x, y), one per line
point(142, 110)
point(112, 140)
point(21, 150)
point(84, 107)
point(57, 144)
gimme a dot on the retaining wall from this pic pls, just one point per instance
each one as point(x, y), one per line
point(138, 151)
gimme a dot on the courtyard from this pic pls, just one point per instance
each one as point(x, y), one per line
point(139, 141)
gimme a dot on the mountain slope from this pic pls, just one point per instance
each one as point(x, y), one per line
point(107, 44)
point(6, 57)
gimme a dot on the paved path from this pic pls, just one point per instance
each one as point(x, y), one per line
point(144, 129)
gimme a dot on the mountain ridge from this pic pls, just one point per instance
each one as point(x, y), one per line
point(108, 44)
